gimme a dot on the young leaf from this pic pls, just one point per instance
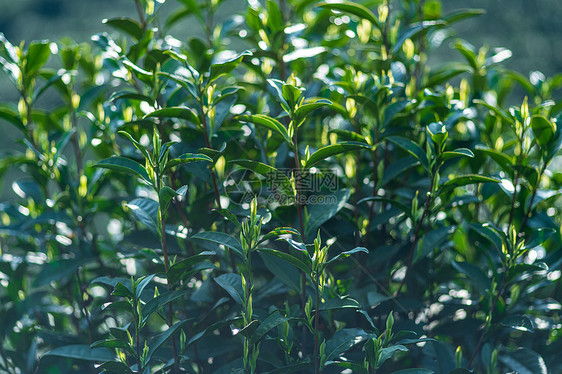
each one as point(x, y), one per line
point(187, 158)
point(348, 253)
point(304, 110)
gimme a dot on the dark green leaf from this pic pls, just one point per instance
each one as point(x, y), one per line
point(232, 283)
point(272, 321)
point(128, 25)
point(221, 238)
point(268, 122)
point(351, 8)
point(220, 69)
point(332, 150)
point(543, 129)
point(343, 340)
point(123, 164)
point(184, 113)
point(475, 275)
point(146, 211)
point(518, 322)
point(412, 148)
point(82, 352)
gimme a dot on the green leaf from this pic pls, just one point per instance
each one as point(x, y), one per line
point(388, 352)
point(221, 238)
point(538, 237)
point(332, 150)
point(518, 322)
point(82, 352)
point(414, 31)
point(159, 301)
point(272, 321)
point(524, 361)
point(278, 232)
point(292, 368)
point(412, 148)
point(461, 14)
point(277, 179)
point(347, 135)
point(130, 96)
point(116, 367)
point(57, 270)
point(464, 180)
point(126, 24)
point(489, 233)
point(351, 8)
point(37, 55)
point(176, 271)
point(112, 343)
point(268, 122)
point(126, 165)
point(304, 110)
point(289, 258)
point(187, 158)
point(12, 116)
point(543, 129)
point(285, 271)
point(317, 214)
point(497, 111)
point(157, 341)
point(438, 133)
point(348, 253)
point(414, 371)
point(475, 275)
point(146, 211)
point(165, 197)
point(503, 160)
point(232, 284)
point(431, 240)
point(343, 340)
point(139, 146)
point(338, 304)
point(397, 168)
point(230, 217)
point(141, 284)
point(180, 112)
point(220, 69)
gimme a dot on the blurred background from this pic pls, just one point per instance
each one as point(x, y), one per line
point(529, 28)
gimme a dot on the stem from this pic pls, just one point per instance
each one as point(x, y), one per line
point(166, 267)
point(301, 225)
point(137, 336)
point(530, 207)
point(417, 234)
point(140, 11)
point(316, 318)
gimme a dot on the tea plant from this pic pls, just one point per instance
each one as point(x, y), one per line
point(295, 188)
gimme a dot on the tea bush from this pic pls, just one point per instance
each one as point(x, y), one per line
point(293, 189)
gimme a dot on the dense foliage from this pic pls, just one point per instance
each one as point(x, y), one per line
point(291, 190)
